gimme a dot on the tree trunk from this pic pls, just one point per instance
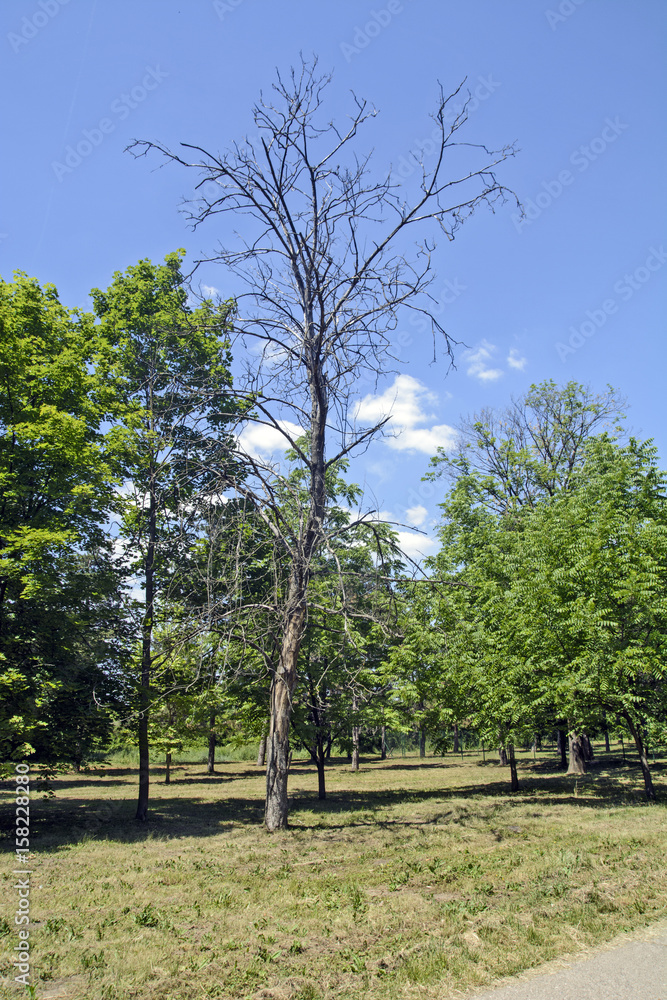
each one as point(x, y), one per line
point(212, 743)
point(607, 745)
point(562, 748)
point(514, 778)
point(383, 744)
point(456, 738)
point(502, 754)
point(534, 748)
point(355, 734)
point(167, 772)
point(643, 757)
point(319, 760)
point(282, 688)
point(588, 748)
point(577, 758)
point(422, 743)
point(261, 753)
point(146, 640)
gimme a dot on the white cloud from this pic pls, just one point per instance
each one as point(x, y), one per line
point(259, 440)
point(210, 291)
point(478, 362)
point(404, 403)
point(417, 515)
point(413, 544)
point(416, 546)
point(516, 360)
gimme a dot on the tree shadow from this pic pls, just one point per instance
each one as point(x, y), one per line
point(58, 823)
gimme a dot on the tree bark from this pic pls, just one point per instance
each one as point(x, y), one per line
point(562, 748)
point(261, 753)
point(577, 757)
point(146, 642)
point(167, 771)
point(514, 778)
point(422, 743)
point(212, 743)
point(607, 745)
point(383, 743)
point(502, 754)
point(456, 738)
point(643, 757)
point(355, 734)
point(588, 748)
point(319, 760)
point(282, 688)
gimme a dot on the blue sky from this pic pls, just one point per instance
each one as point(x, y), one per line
point(576, 291)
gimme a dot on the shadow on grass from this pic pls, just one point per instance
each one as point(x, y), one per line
point(59, 823)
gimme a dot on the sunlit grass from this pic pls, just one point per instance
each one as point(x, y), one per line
point(412, 878)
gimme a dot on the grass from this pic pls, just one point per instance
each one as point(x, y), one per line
point(414, 878)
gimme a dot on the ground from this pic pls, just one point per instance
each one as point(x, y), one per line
point(414, 878)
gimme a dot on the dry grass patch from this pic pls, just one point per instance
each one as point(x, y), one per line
point(413, 878)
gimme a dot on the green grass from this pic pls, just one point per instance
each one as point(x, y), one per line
point(414, 878)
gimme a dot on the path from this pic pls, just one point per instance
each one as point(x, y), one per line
point(633, 970)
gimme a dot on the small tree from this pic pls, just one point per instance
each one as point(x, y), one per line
point(323, 274)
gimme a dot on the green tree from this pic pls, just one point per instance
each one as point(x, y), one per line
point(590, 584)
point(60, 638)
point(169, 364)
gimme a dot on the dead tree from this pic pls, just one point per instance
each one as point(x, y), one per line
point(322, 270)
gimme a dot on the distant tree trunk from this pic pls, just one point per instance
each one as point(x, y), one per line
point(588, 748)
point(422, 743)
point(261, 753)
point(534, 747)
point(502, 754)
point(355, 734)
point(327, 754)
point(607, 745)
point(212, 742)
point(167, 773)
point(383, 743)
point(282, 689)
point(562, 748)
point(577, 758)
point(456, 738)
point(146, 643)
point(643, 757)
point(514, 778)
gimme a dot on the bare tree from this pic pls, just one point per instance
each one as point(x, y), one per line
point(532, 448)
point(324, 269)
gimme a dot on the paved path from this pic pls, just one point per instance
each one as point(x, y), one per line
point(633, 970)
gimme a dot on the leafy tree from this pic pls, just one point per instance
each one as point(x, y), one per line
point(60, 641)
point(590, 582)
point(169, 364)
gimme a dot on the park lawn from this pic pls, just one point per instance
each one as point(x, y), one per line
point(415, 878)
